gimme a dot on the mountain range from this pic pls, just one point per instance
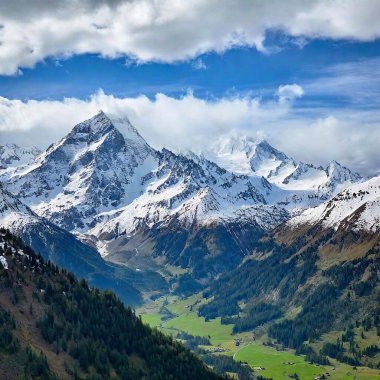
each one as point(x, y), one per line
point(147, 209)
point(269, 240)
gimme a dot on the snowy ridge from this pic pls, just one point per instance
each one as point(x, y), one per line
point(22, 221)
point(10, 205)
point(17, 217)
point(3, 262)
point(246, 155)
point(190, 192)
point(357, 207)
point(12, 155)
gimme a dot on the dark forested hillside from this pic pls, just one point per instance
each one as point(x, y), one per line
point(54, 326)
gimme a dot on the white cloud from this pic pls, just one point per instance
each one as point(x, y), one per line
point(199, 64)
point(289, 92)
point(351, 137)
point(169, 30)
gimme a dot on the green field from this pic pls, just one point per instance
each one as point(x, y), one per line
point(219, 334)
point(276, 363)
point(153, 320)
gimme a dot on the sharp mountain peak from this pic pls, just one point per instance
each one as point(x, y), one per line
point(103, 123)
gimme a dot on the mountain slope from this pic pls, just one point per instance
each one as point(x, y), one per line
point(95, 169)
point(80, 332)
point(355, 208)
point(319, 273)
point(52, 242)
point(348, 224)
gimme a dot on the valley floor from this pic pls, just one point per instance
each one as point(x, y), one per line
point(173, 315)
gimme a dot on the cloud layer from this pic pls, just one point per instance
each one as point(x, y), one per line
point(351, 137)
point(169, 30)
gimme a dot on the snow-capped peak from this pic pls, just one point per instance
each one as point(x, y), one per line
point(246, 155)
point(103, 179)
point(236, 144)
point(265, 158)
point(100, 125)
point(92, 168)
point(339, 172)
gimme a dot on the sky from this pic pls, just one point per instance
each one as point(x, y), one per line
point(303, 75)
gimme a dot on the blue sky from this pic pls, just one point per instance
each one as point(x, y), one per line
point(238, 71)
point(305, 75)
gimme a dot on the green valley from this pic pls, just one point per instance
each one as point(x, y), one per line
point(253, 347)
